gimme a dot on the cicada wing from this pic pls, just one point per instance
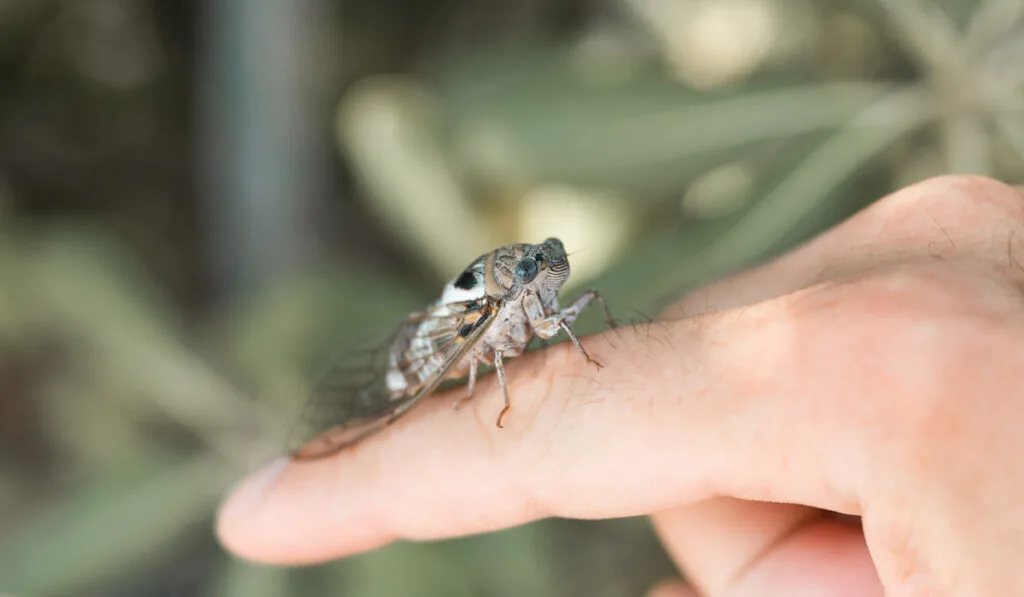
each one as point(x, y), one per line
point(347, 402)
point(351, 400)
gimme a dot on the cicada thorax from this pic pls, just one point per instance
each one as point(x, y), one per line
point(493, 286)
point(499, 271)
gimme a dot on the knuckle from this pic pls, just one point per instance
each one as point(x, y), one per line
point(962, 192)
point(931, 350)
point(964, 207)
point(940, 413)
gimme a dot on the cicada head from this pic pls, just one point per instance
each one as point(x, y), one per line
point(542, 268)
point(552, 259)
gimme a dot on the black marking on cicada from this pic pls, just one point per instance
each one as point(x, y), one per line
point(486, 314)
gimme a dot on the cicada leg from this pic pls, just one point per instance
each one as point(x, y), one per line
point(473, 364)
point(499, 366)
point(547, 327)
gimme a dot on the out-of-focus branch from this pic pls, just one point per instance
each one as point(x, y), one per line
point(261, 169)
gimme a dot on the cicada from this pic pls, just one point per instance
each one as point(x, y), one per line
point(486, 315)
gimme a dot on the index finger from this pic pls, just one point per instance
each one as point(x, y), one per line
point(578, 442)
point(683, 410)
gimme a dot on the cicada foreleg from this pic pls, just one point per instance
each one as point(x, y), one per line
point(547, 326)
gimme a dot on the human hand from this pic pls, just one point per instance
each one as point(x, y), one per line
point(877, 371)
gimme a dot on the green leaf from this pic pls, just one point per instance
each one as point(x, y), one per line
point(114, 523)
point(407, 570)
point(244, 579)
point(512, 562)
point(667, 264)
point(646, 134)
point(385, 127)
point(92, 294)
point(301, 320)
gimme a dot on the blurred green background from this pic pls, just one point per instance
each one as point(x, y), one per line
point(201, 201)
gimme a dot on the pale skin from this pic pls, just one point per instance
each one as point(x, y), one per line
point(877, 371)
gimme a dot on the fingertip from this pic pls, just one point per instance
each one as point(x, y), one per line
point(294, 513)
point(253, 489)
point(235, 514)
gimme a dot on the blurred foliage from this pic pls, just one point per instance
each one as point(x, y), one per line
point(667, 143)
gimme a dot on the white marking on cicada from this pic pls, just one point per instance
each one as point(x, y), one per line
point(453, 294)
point(467, 286)
point(395, 380)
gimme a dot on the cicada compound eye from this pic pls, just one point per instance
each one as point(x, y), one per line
point(526, 271)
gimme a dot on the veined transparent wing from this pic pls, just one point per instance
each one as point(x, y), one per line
point(351, 400)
